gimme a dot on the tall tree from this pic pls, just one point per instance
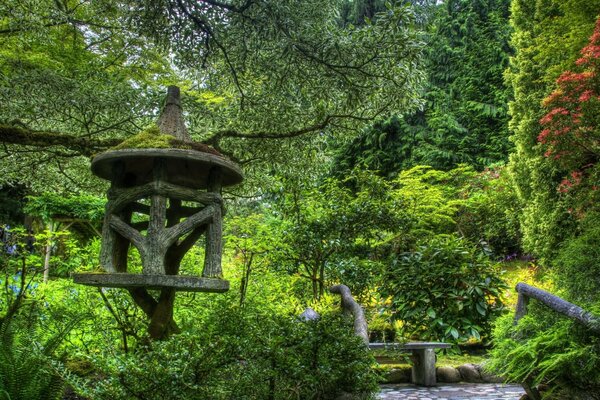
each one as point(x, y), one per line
point(464, 119)
point(548, 36)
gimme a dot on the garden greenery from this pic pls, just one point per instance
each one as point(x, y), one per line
point(242, 353)
point(392, 172)
point(444, 290)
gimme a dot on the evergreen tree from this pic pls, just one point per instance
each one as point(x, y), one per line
point(464, 119)
point(548, 36)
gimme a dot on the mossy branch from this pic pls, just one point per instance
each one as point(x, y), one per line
point(27, 137)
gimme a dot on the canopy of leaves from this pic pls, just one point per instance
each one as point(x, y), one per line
point(71, 79)
point(49, 206)
point(250, 70)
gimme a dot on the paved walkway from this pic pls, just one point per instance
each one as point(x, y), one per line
point(466, 391)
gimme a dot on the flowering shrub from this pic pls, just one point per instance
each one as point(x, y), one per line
point(571, 127)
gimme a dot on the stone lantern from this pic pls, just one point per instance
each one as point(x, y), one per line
point(161, 201)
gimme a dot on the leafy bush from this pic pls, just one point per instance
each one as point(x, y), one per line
point(491, 213)
point(49, 205)
point(444, 290)
point(545, 347)
point(241, 353)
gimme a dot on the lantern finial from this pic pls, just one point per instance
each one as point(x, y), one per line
point(171, 118)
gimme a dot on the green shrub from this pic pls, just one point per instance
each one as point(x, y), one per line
point(445, 290)
point(578, 263)
point(491, 212)
point(241, 353)
point(547, 348)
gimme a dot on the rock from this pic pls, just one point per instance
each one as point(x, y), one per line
point(470, 373)
point(309, 315)
point(346, 396)
point(398, 375)
point(491, 378)
point(448, 375)
point(524, 397)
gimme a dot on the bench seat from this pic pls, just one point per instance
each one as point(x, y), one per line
point(423, 358)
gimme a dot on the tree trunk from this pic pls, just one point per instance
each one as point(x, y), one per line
point(321, 280)
point(246, 280)
point(48, 254)
point(160, 324)
point(315, 284)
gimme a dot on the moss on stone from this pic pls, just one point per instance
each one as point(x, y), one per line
point(152, 138)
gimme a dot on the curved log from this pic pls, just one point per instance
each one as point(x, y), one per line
point(350, 306)
point(555, 303)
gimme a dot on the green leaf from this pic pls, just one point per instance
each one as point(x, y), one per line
point(480, 309)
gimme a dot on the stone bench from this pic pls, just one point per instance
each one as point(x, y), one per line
point(423, 358)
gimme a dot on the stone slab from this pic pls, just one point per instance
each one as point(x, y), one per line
point(451, 392)
point(410, 346)
point(177, 282)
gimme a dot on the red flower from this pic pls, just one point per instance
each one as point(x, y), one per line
point(542, 137)
point(585, 96)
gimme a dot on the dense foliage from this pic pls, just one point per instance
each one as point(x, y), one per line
point(241, 353)
point(260, 349)
point(261, 80)
point(545, 348)
point(50, 206)
point(443, 291)
point(376, 137)
point(570, 134)
point(547, 40)
point(464, 119)
point(28, 347)
point(555, 172)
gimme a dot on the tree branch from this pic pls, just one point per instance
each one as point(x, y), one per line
point(204, 27)
point(27, 137)
point(216, 138)
point(127, 232)
point(174, 233)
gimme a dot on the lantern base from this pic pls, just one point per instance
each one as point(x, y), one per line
point(178, 282)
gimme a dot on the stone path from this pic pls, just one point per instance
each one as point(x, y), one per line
point(466, 391)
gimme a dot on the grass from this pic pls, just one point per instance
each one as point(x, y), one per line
point(523, 271)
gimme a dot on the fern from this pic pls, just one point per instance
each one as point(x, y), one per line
point(26, 369)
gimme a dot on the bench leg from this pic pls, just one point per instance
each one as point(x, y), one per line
point(423, 368)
